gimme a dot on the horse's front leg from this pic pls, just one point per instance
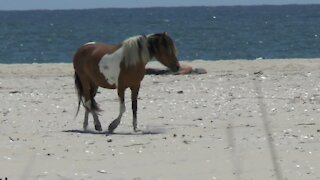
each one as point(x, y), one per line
point(116, 122)
point(134, 97)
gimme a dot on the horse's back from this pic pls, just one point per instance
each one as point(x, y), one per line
point(92, 53)
point(86, 61)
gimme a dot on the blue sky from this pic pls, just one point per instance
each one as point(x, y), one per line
point(86, 4)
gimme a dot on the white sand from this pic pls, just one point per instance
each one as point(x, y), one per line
point(196, 126)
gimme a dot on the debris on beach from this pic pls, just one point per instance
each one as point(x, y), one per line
point(102, 171)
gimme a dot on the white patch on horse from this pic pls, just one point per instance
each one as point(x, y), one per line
point(110, 66)
point(89, 43)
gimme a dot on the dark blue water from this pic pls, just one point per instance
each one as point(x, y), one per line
point(212, 33)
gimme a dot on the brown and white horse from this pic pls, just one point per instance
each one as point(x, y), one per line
point(118, 67)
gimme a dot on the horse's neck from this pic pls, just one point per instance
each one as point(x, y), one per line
point(151, 49)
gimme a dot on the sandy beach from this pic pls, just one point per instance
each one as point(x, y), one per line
point(241, 120)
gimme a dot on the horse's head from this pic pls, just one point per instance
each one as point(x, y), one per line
point(162, 48)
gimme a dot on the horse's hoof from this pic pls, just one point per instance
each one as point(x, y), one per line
point(137, 130)
point(85, 127)
point(98, 127)
point(111, 129)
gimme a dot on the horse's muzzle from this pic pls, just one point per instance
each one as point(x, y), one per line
point(175, 68)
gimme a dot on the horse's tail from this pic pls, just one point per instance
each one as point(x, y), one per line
point(79, 89)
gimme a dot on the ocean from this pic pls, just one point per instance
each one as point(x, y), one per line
point(210, 33)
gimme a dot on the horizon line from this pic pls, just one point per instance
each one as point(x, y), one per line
point(151, 7)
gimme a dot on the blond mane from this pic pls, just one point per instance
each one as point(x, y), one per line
point(134, 49)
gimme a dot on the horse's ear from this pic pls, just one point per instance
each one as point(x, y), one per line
point(165, 34)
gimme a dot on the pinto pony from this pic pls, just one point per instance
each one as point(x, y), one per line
point(118, 67)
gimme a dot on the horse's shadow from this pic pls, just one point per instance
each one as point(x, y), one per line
point(143, 132)
point(85, 131)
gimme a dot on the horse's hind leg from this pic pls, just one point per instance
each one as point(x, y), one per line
point(86, 117)
point(97, 124)
point(94, 108)
point(116, 122)
point(89, 108)
point(90, 105)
